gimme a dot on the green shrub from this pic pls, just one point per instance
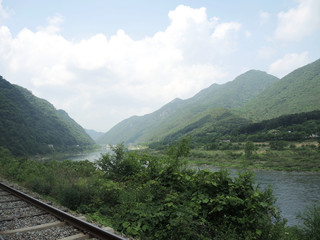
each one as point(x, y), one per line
point(177, 203)
point(150, 197)
point(310, 218)
point(277, 145)
point(248, 149)
point(120, 165)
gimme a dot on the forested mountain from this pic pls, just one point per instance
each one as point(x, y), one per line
point(93, 134)
point(296, 92)
point(288, 102)
point(209, 126)
point(31, 125)
point(134, 128)
point(179, 113)
point(252, 97)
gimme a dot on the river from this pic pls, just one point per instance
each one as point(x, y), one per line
point(293, 190)
point(90, 156)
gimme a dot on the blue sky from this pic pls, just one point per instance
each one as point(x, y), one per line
point(104, 61)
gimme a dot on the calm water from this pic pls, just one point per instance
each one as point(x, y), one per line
point(293, 190)
point(90, 156)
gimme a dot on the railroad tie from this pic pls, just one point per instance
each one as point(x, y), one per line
point(35, 228)
point(23, 216)
point(76, 237)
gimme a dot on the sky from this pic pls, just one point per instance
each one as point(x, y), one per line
point(104, 61)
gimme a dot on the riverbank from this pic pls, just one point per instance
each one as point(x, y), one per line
point(139, 198)
point(299, 159)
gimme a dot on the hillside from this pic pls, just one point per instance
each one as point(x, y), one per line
point(292, 127)
point(179, 113)
point(93, 134)
point(287, 101)
point(209, 126)
point(135, 128)
point(235, 93)
point(296, 92)
point(28, 124)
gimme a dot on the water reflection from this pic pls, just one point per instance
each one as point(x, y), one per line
point(90, 156)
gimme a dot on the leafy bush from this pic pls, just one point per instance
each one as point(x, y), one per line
point(248, 149)
point(150, 197)
point(165, 200)
point(120, 165)
point(277, 145)
point(310, 230)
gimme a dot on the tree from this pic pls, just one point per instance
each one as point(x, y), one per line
point(182, 149)
point(248, 149)
point(311, 223)
point(120, 165)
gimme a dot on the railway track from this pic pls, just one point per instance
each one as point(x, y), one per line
point(25, 217)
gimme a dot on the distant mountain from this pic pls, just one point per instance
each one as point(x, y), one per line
point(135, 128)
point(297, 92)
point(31, 125)
point(235, 93)
point(93, 134)
point(178, 114)
point(291, 100)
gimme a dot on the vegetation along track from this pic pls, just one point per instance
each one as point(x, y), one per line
point(24, 217)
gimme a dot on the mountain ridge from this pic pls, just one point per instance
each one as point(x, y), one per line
point(296, 92)
point(94, 134)
point(31, 125)
point(299, 88)
point(176, 113)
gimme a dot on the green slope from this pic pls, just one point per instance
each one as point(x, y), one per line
point(235, 93)
point(297, 92)
point(134, 128)
point(292, 127)
point(29, 124)
point(208, 126)
point(179, 113)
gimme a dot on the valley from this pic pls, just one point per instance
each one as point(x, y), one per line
point(263, 130)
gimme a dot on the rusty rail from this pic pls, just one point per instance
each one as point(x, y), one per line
point(63, 216)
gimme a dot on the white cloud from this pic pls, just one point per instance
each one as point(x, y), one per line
point(223, 29)
point(299, 22)
point(248, 34)
point(54, 24)
point(3, 12)
point(288, 63)
point(266, 52)
point(264, 17)
point(102, 80)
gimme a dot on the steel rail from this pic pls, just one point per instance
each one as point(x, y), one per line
point(76, 222)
